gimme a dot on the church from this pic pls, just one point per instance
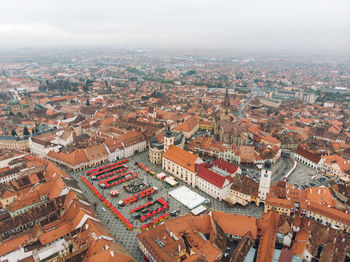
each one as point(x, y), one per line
point(225, 130)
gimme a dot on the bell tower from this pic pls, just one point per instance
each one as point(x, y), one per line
point(169, 139)
point(225, 110)
point(265, 181)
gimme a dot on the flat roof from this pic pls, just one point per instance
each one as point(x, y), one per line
point(187, 197)
point(198, 210)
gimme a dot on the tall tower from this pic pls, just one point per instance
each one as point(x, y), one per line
point(225, 109)
point(169, 139)
point(265, 181)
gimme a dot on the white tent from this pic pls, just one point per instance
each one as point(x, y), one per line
point(187, 197)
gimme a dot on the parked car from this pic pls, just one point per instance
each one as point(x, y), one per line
point(121, 203)
point(175, 213)
point(136, 215)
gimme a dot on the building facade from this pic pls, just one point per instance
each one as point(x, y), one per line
point(181, 164)
point(160, 144)
point(215, 178)
point(10, 142)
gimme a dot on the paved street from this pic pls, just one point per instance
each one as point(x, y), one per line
point(254, 93)
point(279, 169)
point(128, 238)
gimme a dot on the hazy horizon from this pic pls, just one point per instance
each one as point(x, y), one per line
point(299, 26)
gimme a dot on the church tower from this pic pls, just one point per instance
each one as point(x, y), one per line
point(225, 109)
point(169, 139)
point(265, 181)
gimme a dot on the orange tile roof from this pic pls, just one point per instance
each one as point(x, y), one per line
point(131, 138)
point(238, 225)
point(300, 242)
point(188, 125)
point(335, 159)
point(329, 212)
point(108, 255)
point(96, 151)
point(320, 195)
point(75, 158)
point(12, 245)
point(181, 157)
point(278, 202)
point(268, 225)
point(54, 234)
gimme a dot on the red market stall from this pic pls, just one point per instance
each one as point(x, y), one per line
point(108, 204)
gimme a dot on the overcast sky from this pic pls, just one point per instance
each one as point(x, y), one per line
point(314, 26)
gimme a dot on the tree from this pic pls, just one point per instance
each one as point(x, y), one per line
point(191, 72)
point(25, 131)
point(87, 102)
point(13, 133)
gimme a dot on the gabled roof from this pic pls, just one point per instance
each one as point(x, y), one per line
point(308, 155)
point(188, 125)
point(224, 165)
point(6, 190)
point(238, 225)
point(210, 176)
point(75, 158)
point(245, 185)
point(181, 157)
point(13, 244)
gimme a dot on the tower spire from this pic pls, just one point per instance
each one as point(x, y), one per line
point(226, 103)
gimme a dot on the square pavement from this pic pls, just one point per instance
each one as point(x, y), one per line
point(128, 238)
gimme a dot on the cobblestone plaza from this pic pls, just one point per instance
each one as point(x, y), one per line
point(120, 232)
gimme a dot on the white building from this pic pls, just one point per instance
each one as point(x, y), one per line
point(181, 164)
point(133, 142)
point(8, 176)
point(307, 158)
point(264, 185)
point(215, 179)
point(229, 156)
point(41, 147)
point(125, 145)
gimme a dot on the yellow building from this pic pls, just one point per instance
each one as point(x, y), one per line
point(206, 125)
point(328, 216)
point(7, 195)
point(278, 205)
point(10, 142)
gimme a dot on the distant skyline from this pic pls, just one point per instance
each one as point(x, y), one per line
point(273, 26)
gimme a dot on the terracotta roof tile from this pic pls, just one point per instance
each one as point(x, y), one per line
point(181, 157)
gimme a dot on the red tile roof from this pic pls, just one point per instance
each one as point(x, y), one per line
point(210, 176)
point(224, 165)
point(308, 155)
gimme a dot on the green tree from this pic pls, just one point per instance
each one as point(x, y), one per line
point(88, 102)
point(26, 131)
point(13, 133)
point(190, 72)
